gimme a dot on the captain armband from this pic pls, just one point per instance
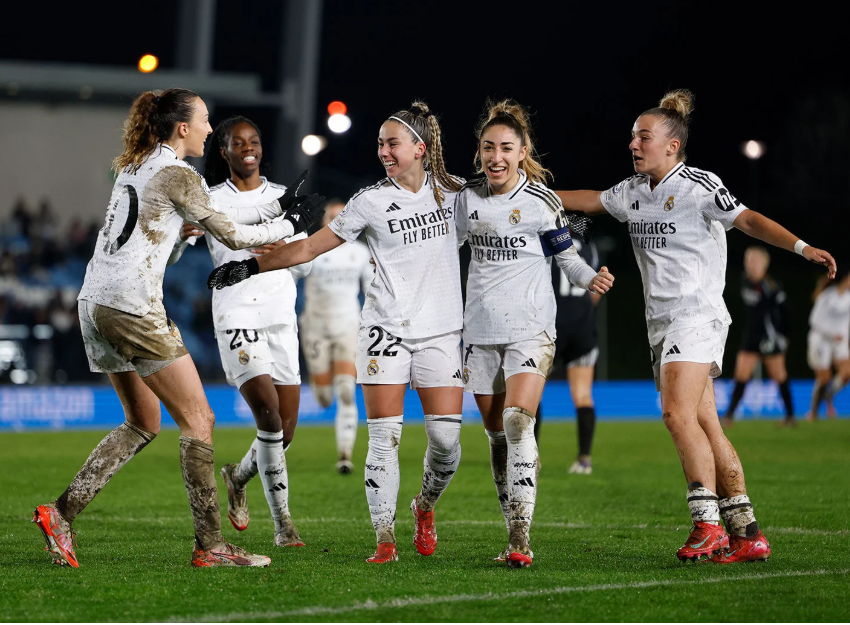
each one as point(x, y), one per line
point(556, 241)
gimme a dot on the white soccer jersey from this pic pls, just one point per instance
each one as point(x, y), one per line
point(145, 213)
point(831, 313)
point(678, 233)
point(331, 291)
point(416, 291)
point(265, 299)
point(509, 294)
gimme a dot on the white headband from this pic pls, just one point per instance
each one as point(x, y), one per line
point(409, 127)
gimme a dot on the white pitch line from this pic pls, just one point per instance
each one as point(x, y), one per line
point(805, 531)
point(406, 602)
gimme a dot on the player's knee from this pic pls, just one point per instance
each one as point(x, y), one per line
point(443, 433)
point(518, 423)
point(344, 388)
point(323, 393)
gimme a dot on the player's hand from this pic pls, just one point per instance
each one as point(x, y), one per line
point(190, 230)
point(290, 197)
point(307, 210)
point(602, 282)
point(268, 247)
point(821, 257)
point(232, 273)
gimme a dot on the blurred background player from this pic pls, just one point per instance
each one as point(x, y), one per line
point(410, 325)
point(829, 326)
point(329, 323)
point(576, 347)
point(765, 332)
point(255, 326)
point(514, 224)
point(124, 324)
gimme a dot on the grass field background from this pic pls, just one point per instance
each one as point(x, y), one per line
point(604, 544)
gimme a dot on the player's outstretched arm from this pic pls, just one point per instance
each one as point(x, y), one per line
point(584, 201)
point(295, 253)
point(757, 225)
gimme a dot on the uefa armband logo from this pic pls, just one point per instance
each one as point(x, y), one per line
point(515, 217)
point(372, 368)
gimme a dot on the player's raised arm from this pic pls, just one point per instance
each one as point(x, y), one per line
point(757, 225)
point(585, 201)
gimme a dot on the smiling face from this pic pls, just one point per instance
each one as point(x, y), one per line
point(654, 153)
point(195, 132)
point(243, 150)
point(398, 151)
point(501, 151)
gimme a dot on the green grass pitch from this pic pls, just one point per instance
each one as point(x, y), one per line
point(604, 544)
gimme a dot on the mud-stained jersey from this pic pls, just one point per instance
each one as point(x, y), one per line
point(416, 289)
point(331, 291)
point(265, 299)
point(509, 295)
point(831, 313)
point(143, 220)
point(678, 234)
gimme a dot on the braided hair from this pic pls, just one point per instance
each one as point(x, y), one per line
point(216, 169)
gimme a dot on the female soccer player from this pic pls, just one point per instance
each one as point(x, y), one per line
point(765, 332)
point(410, 326)
point(829, 325)
point(255, 327)
point(125, 328)
point(677, 217)
point(513, 223)
point(329, 324)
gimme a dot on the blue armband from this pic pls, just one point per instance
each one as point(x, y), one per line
point(556, 241)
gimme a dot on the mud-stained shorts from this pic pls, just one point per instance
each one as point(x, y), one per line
point(246, 354)
point(323, 345)
point(118, 342)
point(703, 344)
point(486, 367)
point(425, 363)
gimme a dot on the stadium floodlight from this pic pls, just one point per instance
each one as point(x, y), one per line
point(148, 63)
point(337, 108)
point(339, 123)
point(313, 144)
point(753, 149)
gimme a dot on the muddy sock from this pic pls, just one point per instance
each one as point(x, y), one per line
point(522, 472)
point(586, 419)
point(247, 467)
point(112, 453)
point(198, 464)
point(499, 467)
point(382, 475)
point(738, 517)
point(703, 504)
point(441, 458)
point(272, 469)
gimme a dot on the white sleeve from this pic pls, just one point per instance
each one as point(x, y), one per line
point(578, 272)
point(616, 200)
point(716, 203)
point(461, 218)
point(303, 270)
point(351, 221)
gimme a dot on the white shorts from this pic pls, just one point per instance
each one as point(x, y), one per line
point(486, 367)
point(246, 354)
point(118, 342)
point(822, 351)
point(703, 344)
point(425, 363)
point(324, 345)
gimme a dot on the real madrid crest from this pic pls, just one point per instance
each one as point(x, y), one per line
point(465, 375)
point(373, 368)
point(243, 357)
point(515, 217)
point(668, 205)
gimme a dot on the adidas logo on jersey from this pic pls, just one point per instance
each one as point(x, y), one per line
point(393, 207)
point(529, 363)
point(673, 350)
point(473, 215)
point(635, 205)
point(457, 375)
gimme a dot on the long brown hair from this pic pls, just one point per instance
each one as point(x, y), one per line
point(424, 122)
point(512, 115)
point(151, 121)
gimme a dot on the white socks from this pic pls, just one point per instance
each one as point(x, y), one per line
point(266, 457)
point(521, 474)
point(382, 475)
point(703, 504)
point(441, 457)
point(346, 415)
point(499, 467)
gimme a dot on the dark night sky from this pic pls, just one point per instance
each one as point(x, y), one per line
point(585, 70)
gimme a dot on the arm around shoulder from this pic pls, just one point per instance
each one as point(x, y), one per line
point(587, 202)
point(299, 252)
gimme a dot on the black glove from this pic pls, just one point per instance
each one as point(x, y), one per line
point(306, 210)
point(291, 197)
point(232, 273)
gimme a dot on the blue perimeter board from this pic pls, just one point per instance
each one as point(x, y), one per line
point(24, 408)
